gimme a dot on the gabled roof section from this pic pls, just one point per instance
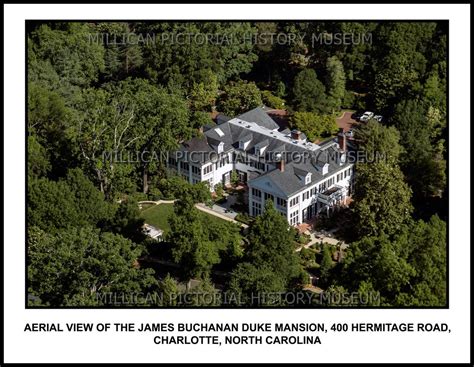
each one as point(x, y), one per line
point(262, 144)
point(301, 173)
point(267, 184)
point(246, 138)
point(260, 117)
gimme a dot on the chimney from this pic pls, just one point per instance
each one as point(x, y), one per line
point(295, 134)
point(341, 140)
point(281, 165)
point(280, 162)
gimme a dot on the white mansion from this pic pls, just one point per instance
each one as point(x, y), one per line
point(302, 179)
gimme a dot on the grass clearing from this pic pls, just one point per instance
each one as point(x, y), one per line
point(157, 216)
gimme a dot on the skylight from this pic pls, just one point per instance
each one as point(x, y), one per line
point(219, 132)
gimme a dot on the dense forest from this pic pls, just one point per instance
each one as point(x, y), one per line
point(87, 96)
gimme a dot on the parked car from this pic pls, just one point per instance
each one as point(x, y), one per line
point(350, 133)
point(366, 116)
point(378, 118)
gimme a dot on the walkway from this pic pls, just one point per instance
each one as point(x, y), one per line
point(206, 209)
point(318, 238)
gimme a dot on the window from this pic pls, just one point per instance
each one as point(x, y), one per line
point(306, 195)
point(294, 218)
point(208, 169)
point(220, 148)
point(294, 201)
point(268, 197)
point(223, 161)
point(184, 166)
point(256, 209)
point(196, 170)
point(323, 186)
point(256, 193)
point(281, 202)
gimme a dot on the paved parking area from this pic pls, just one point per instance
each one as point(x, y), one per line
point(225, 207)
point(346, 121)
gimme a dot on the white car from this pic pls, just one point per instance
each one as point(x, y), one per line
point(366, 116)
point(378, 118)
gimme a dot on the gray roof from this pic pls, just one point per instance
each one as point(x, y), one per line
point(221, 118)
point(260, 117)
point(300, 157)
point(290, 181)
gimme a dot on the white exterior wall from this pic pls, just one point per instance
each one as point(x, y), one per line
point(261, 201)
point(304, 204)
point(216, 174)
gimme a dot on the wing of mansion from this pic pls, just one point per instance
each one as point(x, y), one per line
point(302, 179)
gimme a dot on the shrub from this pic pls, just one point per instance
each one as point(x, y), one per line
point(272, 101)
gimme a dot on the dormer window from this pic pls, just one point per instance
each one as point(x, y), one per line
point(220, 148)
point(244, 142)
point(325, 169)
point(259, 151)
point(307, 178)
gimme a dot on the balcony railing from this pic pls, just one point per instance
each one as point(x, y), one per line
point(332, 195)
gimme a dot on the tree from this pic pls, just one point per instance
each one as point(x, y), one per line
point(422, 161)
point(48, 122)
point(326, 265)
point(272, 101)
point(169, 292)
point(239, 97)
point(336, 81)
point(381, 199)
point(71, 51)
point(271, 243)
point(121, 58)
point(51, 205)
point(309, 94)
point(71, 201)
point(176, 187)
point(408, 270)
point(254, 286)
point(192, 248)
point(401, 62)
point(379, 261)
point(38, 160)
point(425, 251)
point(315, 126)
point(80, 266)
point(203, 295)
point(379, 142)
point(179, 60)
point(127, 221)
point(203, 95)
point(161, 120)
point(128, 124)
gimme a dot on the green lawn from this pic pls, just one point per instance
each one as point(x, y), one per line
point(158, 215)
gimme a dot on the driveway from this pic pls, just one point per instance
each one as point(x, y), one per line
point(225, 207)
point(345, 121)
